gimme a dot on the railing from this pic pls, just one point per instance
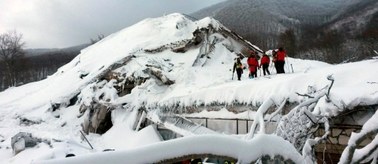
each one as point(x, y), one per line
point(227, 125)
point(237, 120)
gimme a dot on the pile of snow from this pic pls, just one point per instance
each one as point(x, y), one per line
point(355, 84)
point(220, 145)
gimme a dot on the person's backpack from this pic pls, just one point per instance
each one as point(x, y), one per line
point(239, 65)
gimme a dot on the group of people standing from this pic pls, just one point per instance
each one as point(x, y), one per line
point(254, 65)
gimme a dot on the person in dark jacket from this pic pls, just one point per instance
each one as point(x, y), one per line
point(274, 60)
point(280, 61)
point(264, 62)
point(253, 64)
point(238, 66)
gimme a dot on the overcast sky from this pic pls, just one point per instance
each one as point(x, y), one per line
point(64, 23)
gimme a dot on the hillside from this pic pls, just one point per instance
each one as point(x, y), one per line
point(356, 19)
point(168, 67)
point(67, 50)
point(271, 24)
point(37, 64)
point(265, 19)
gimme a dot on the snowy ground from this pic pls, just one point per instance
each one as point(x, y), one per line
point(355, 84)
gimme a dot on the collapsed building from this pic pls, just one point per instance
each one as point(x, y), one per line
point(151, 76)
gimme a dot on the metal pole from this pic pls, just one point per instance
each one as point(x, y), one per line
point(86, 139)
point(260, 71)
point(237, 126)
point(287, 65)
point(292, 70)
point(247, 126)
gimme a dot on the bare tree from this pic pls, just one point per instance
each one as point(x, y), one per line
point(99, 37)
point(287, 39)
point(11, 53)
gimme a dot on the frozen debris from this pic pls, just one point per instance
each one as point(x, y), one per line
point(159, 75)
point(2, 138)
point(98, 118)
point(295, 127)
point(23, 140)
point(27, 122)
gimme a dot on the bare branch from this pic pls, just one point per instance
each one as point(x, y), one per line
point(99, 37)
point(304, 95)
point(329, 77)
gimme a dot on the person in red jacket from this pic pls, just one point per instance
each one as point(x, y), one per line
point(253, 65)
point(264, 62)
point(280, 61)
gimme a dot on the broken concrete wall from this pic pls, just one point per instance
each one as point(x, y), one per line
point(98, 118)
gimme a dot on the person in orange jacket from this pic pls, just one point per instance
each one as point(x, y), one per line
point(280, 61)
point(253, 65)
point(264, 62)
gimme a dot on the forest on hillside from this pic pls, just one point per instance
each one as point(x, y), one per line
point(19, 66)
point(34, 68)
point(330, 31)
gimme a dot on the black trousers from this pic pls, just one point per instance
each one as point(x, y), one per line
point(266, 69)
point(253, 74)
point(239, 72)
point(280, 66)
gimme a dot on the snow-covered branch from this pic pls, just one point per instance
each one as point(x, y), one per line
point(353, 155)
point(330, 78)
point(278, 110)
point(368, 152)
point(304, 95)
point(307, 151)
point(297, 124)
point(259, 119)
